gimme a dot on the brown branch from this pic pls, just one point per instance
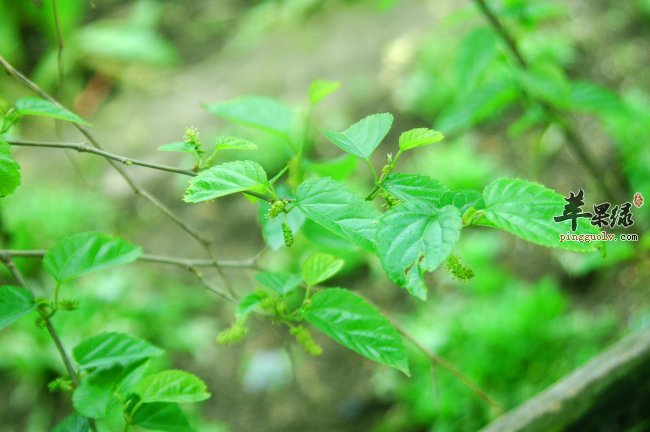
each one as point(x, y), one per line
point(571, 136)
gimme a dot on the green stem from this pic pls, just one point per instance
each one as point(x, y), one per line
point(372, 170)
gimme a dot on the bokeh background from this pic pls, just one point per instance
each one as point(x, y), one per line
point(140, 72)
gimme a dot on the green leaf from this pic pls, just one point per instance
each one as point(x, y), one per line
point(463, 200)
point(87, 252)
point(357, 325)
point(414, 187)
point(258, 112)
point(92, 396)
point(161, 417)
point(180, 146)
point(413, 238)
point(247, 305)
point(43, 108)
point(363, 137)
point(338, 168)
point(320, 89)
point(280, 282)
point(547, 83)
point(320, 267)
point(419, 137)
point(233, 143)
point(172, 386)
point(332, 205)
point(225, 179)
point(478, 105)
point(15, 303)
point(9, 170)
point(526, 209)
point(589, 97)
point(476, 52)
point(110, 349)
point(73, 423)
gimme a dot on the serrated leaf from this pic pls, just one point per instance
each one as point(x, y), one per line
point(476, 52)
point(110, 349)
point(526, 209)
point(415, 187)
point(9, 170)
point(363, 137)
point(225, 179)
point(42, 108)
point(15, 303)
point(281, 282)
point(463, 200)
point(233, 143)
point(175, 386)
point(357, 325)
point(180, 146)
point(258, 112)
point(319, 267)
point(419, 137)
point(73, 423)
point(95, 390)
point(332, 205)
point(320, 89)
point(83, 253)
point(414, 238)
point(161, 417)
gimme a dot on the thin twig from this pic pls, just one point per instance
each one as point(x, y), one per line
point(202, 240)
point(250, 263)
point(82, 147)
point(59, 47)
point(446, 364)
point(572, 137)
point(85, 148)
point(209, 286)
point(48, 324)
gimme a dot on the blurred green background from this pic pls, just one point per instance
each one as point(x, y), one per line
point(140, 70)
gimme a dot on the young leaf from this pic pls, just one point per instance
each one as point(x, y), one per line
point(363, 137)
point(413, 238)
point(15, 303)
point(320, 89)
point(161, 416)
point(320, 267)
point(110, 349)
point(73, 423)
point(92, 396)
point(419, 137)
point(258, 112)
point(87, 252)
point(414, 187)
point(9, 170)
point(180, 146)
point(225, 179)
point(280, 282)
point(589, 97)
point(247, 305)
point(172, 386)
point(233, 143)
point(357, 325)
point(526, 209)
point(332, 205)
point(476, 52)
point(43, 108)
